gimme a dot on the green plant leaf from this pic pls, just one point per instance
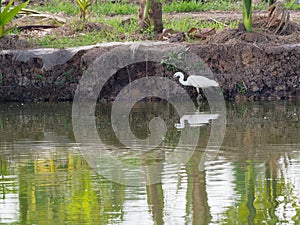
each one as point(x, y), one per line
point(4, 31)
point(79, 2)
point(1, 30)
point(12, 13)
point(247, 15)
point(7, 31)
point(5, 10)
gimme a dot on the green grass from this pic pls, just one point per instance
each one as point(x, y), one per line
point(55, 6)
point(114, 9)
point(291, 5)
point(116, 32)
point(193, 6)
point(128, 32)
point(71, 8)
point(51, 41)
point(186, 24)
point(108, 8)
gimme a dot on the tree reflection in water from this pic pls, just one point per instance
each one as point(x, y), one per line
point(254, 179)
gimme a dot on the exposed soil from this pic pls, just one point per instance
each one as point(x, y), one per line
point(232, 36)
point(262, 65)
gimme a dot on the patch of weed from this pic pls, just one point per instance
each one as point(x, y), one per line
point(185, 24)
point(193, 6)
point(109, 8)
point(55, 6)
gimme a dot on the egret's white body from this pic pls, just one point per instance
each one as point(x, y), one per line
point(196, 120)
point(196, 81)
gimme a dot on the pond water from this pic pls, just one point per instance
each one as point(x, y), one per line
point(254, 179)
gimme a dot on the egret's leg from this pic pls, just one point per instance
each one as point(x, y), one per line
point(199, 97)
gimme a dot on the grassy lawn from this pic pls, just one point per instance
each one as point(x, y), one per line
point(124, 33)
point(106, 13)
point(124, 8)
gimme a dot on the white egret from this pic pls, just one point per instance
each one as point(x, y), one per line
point(196, 81)
point(196, 120)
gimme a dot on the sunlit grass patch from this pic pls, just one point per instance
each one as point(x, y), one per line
point(116, 30)
point(70, 8)
point(185, 24)
point(52, 41)
point(113, 30)
point(124, 8)
point(114, 9)
point(292, 5)
point(193, 6)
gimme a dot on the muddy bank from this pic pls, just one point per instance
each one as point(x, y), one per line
point(244, 70)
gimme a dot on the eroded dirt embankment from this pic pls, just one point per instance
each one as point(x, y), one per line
point(245, 71)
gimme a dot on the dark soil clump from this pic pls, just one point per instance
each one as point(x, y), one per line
point(13, 42)
point(232, 36)
point(261, 34)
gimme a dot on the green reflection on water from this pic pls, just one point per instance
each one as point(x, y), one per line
point(45, 180)
point(63, 188)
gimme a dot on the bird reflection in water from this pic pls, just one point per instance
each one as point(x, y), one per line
point(195, 119)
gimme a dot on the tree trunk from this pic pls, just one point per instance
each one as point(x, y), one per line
point(150, 13)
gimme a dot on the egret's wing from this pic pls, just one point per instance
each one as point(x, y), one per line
point(194, 81)
point(201, 82)
point(204, 118)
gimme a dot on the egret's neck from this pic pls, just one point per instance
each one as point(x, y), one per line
point(181, 80)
